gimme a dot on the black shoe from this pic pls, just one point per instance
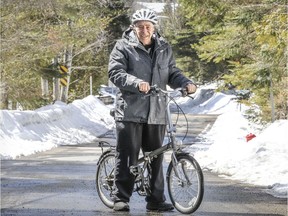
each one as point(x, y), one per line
point(121, 206)
point(161, 207)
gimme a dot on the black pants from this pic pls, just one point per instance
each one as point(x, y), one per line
point(131, 137)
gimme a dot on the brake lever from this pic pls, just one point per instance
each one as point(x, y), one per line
point(184, 93)
point(153, 91)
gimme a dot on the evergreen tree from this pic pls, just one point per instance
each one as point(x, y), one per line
point(182, 36)
point(249, 37)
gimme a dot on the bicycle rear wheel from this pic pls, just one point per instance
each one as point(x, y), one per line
point(187, 188)
point(105, 178)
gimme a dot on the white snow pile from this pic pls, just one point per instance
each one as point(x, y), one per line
point(28, 132)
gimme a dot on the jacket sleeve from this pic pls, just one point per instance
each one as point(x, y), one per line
point(117, 69)
point(176, 78)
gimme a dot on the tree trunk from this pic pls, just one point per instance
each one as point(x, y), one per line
point(56, 89)
point(45, 87)
point(3, 94)
point(91, 84)
point(272, 99)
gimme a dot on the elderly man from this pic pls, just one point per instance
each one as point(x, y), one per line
point(140, 59)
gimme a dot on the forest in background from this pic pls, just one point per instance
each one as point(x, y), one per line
point(242, 43)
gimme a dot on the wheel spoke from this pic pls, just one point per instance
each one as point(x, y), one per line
point(105, 179)
point(186, 187)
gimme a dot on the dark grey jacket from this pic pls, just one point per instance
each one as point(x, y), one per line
point(130, 64)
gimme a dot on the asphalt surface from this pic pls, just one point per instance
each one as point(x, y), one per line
point(61, 181)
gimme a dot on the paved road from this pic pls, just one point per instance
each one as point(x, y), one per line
point(194, 125)
point(61, 181)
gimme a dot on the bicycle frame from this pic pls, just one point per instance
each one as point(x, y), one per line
point(172, 145)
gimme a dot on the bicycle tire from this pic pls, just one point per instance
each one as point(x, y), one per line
point(105, 178)
point(185, 196)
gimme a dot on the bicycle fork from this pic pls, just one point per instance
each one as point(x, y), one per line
point(177, 170)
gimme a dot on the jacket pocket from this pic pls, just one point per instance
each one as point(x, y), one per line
point(163, 71)
point(137, 107)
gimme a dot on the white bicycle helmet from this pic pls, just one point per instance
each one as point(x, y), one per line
point(144, 15)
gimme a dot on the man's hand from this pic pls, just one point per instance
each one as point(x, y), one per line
point(191, 88)
point(144, 87)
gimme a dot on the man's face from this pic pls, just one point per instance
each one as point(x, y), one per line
point(144, 31)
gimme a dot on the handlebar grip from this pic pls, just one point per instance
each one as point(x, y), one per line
point(184, 92)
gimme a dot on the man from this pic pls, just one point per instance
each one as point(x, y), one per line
point(142, 58)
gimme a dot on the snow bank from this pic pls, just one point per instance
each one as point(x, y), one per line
point(27, 132)
point(261, 161)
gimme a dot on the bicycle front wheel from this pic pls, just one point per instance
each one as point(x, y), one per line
point(185, 184)
point(105, 179)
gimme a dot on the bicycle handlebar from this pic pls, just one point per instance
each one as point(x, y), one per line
point(156, 90)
